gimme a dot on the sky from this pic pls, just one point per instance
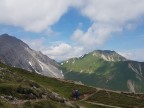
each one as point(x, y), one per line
point(63, 29)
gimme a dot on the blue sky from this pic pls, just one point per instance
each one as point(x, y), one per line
point(64, 29)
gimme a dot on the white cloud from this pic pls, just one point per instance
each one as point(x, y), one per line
point(63, 51)
point(108, 16)
point(58, 51)
point(95, 35)
point(133, 54)
point(114, 11)
point(32, 15)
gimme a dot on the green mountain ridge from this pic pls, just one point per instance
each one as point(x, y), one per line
point(106, 69)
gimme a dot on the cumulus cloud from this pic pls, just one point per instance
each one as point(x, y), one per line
point(63, 51)
point(32, 15)
point(95, 35)
point(57, 50)
point(108, 16)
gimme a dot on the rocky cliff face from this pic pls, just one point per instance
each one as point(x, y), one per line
point(16, 53)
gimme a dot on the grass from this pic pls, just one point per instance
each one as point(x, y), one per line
point(117, 99)
point(44, 104)
point(32, 104)
point(18, 76)
point(5, 104)
point(29, 86)
point(53, 84)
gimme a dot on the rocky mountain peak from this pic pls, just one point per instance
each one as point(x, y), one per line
point(11, 41)
point(16, 53)
point(108, 55)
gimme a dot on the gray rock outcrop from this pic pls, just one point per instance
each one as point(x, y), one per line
point(16, 53)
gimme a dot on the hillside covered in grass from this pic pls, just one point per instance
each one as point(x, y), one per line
point(106, 69)
point(23, 89)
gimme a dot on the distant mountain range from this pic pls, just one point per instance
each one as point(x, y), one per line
point(106, 69)
point(16, 53)
point(100, 68)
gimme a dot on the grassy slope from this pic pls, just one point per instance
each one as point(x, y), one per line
point(124, 100)
point(19, 84)
point(57, 85)
point(97, 72)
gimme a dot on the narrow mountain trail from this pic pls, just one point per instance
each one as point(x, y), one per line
point(88, 96)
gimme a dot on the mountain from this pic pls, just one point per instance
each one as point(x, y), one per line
point(23, 89)
point(107, 55)
point(106, 69)
point(16, 53)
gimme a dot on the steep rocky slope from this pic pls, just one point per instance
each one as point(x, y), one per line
point(16, 53)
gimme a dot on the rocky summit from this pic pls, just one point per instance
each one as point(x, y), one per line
point(16, 53)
